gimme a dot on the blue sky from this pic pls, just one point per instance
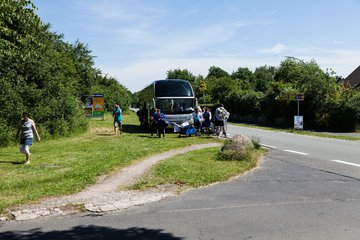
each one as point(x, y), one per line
point(138, 41)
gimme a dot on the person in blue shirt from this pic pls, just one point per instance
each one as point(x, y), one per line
point(117, 114)
point(198, 119)
point(206, 118)
point(160, 122)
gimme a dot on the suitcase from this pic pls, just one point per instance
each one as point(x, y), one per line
point(188, 131)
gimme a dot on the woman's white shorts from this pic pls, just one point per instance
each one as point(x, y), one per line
point(24, 149)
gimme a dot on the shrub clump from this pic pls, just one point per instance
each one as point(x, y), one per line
point(237, 148)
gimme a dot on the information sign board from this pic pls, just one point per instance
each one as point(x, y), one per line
point(298, 122)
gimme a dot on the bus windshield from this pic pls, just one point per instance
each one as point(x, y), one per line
point(175, 106)
point(173, 88)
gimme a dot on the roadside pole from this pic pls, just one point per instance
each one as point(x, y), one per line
point(299, 120)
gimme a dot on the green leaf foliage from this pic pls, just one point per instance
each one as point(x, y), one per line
point(268, 95)
point(43, 75)
point(181, 74)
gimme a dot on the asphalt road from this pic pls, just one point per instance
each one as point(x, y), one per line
point(340, 156)
point(298, 192)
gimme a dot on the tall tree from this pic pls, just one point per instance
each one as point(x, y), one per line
point(217, 72)
point(219, 88)
point(113, 92)
point(84, 65)
point(262, 77)
point(181, 74)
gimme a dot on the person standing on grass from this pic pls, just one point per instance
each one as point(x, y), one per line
point(117, 114)
point(206, 118)
point(221, 115)
point(27, 127)
point(160, 122)
point(197, 116)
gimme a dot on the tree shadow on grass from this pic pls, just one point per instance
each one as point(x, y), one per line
point(12, 162)
point(128, 128)
point(148, 136)
point(143, 132)
point(106, 134)
point(91, 233)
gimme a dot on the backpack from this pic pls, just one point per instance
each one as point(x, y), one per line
point(219, 114)
point(206, 115)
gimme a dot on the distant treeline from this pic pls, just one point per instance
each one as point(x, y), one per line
point(267, 96)
point(42, 74)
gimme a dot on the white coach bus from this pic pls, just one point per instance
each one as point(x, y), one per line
point(174, 97)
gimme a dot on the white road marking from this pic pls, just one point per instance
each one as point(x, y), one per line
point(348, 163)
point(268, 146)
point(292, 151)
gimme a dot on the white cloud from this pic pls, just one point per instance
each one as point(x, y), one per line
point(107, 11)
point(342, 61)
point(133, 35)
point(138, 75)
point(124, 11)
point(277, 49)
point(185, 43)
point(156, 47)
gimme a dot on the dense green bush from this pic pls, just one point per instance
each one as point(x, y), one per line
point(268, 95)
point(6, 134)
point(45, 76)
point(354, 105)
point(244, 103)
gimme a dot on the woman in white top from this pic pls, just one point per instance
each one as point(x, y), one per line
point(27, 126)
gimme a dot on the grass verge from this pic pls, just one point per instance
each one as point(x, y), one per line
point(67, 165)
point(196, 168)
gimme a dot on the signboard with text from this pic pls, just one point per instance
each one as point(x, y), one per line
point(93, 105)
point(98, 105)
point(298, 122)
point(300, 97)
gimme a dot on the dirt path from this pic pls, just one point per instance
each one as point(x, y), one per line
point(103, 196)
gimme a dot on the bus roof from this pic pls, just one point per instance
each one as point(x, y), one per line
point(173, 88)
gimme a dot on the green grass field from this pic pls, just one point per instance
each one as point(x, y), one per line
point(195, 169)
point(67, 165)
